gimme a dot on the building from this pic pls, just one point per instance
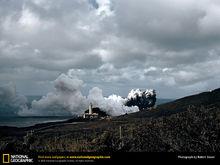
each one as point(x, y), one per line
point(89, 114)
point(94, 113)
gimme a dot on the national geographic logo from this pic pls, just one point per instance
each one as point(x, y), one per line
point(7, 158)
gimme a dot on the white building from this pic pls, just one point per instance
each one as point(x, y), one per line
point(90, 114)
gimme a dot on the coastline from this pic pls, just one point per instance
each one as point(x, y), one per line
point(13, 130)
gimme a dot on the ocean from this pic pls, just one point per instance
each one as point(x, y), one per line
point(18, 121)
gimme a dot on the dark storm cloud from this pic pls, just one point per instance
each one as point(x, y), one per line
point(170, 24)
point(167, 45)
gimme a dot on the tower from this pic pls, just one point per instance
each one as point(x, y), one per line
point(90, 108)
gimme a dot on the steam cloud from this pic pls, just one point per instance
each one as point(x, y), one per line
point(10, 102)
point(67, 99)
point(142, 99)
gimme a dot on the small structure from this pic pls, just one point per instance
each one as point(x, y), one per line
point(94, 113)
point(90, 114)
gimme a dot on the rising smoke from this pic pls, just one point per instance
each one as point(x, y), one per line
point(142, 99)
point(67, 99)
point(10, 102)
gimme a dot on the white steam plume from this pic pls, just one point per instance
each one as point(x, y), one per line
point(68, 100)
point(113, 105)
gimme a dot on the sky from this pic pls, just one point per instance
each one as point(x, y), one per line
point(171, 46)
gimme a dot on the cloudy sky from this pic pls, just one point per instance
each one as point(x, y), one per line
point(172, 46)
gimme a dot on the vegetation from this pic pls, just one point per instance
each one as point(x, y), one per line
point(196, 128)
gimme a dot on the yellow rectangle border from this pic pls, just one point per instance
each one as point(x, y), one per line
point(8, 158)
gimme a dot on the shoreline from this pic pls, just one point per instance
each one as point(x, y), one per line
point(8, 130)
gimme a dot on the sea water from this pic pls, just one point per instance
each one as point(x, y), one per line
point(18, 121)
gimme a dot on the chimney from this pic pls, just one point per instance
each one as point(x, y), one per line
point(90, 108)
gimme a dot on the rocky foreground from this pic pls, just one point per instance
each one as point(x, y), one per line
point(190, 124)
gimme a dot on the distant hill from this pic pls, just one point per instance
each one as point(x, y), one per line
point(205, 98)
point(211, 98)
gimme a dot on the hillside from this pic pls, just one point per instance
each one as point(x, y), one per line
point(205, 98)
point(211, 98)
point(190, 124)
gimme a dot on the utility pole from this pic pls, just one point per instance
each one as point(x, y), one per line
point(120, 132)
point(121, 144)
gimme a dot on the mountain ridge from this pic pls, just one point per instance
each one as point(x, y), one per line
point(180, 105)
